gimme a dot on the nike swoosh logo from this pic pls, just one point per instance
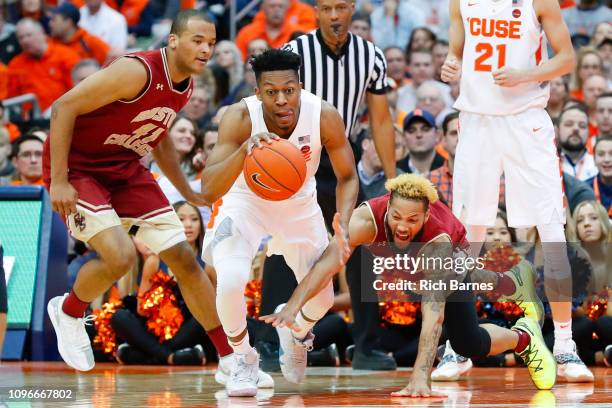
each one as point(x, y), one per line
point(255, 178)
point(536, 129)
point(472, 4)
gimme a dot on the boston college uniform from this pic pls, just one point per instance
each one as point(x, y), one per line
point(103, 164)
point(504, 129)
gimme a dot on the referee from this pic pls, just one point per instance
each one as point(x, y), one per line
point(341, 68)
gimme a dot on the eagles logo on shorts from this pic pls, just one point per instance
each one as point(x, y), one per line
point(79, 221)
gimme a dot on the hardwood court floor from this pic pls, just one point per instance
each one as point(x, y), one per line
point(144, 386)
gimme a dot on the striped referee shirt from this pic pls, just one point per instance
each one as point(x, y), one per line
point(341, 79)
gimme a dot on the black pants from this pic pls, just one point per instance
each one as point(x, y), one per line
point(131, 328)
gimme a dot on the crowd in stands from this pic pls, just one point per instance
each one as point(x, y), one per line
point(49, 46)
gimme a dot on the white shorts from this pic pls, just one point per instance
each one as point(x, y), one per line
point(157, 231)
point(520, 146)
point(296, 226)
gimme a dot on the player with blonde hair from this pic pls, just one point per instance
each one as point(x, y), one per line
point(412, 214)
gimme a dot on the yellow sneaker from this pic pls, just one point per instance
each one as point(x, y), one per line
point(525, 296)
point(539, 360)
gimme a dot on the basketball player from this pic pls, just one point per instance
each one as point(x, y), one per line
point(282, 109)
point(498, 51)
point(99, 131)
point(412, 213)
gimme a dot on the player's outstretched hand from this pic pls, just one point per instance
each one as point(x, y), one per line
point(508, 77)
point(197, 199)
point(451, 70)
point(257, 139)
point(342, 240)
point(284, 318)
point(63, 198)
point(417, 388)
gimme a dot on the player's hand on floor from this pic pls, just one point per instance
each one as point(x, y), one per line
point(284, 318)
point(417, 387)
point(451, 70)
point(508, 77)
point(342, 240)
point(258, 139)
point(63, 198)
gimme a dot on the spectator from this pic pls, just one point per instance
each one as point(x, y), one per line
point(101, 20)
point(558, 97)
point(605, 52)
point(35, 10)
point(83, 69)
point(43, 67)
point(589, 63)
point(421, 138)
point(573, 134)
point(9, 46)
point(393, 21)
point(602, 183)
point(439, 53)
point(7, 170)
point(275, 27)
point(421, 69)
point(65, 29)
point(602, 31)
point(257, 46)
point(583, 18)
point(396, 65)
point(227, 56)
point(183, 133)
point(4, 80)
point(369, 168)
point(603, 114)
point(198, 106)
point(576, 191)
point(245, 88)
point(430, 99)
point(210, 137)
point(27, 159)
point(436, 16)
point(361, 25)
point(11, 128)
point(594, 86)
point(142, 347)
point(300, 14)
point(421, 38)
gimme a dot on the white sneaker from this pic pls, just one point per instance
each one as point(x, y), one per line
point(451, 365)
point(242, 381)
point(224, 369)
point(72, 340)
point(293, 353)
point(570, 367)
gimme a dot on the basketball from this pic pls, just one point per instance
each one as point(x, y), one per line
point(276, 171)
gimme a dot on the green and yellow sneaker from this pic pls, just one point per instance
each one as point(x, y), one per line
point(539, 360)
point(525, 296)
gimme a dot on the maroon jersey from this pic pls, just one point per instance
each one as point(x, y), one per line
point(441, 222)
point(110, 140)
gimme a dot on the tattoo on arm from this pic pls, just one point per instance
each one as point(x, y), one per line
point(430, 335)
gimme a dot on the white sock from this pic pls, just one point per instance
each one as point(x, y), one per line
point(241, 347)
point(563, 337)
point(305, 326)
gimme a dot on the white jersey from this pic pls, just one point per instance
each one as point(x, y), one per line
point(306, 137)
point(502, 33)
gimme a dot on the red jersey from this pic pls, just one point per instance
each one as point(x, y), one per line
point(441, 222)
point(111, 140)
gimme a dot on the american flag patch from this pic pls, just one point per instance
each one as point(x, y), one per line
point(517, 3)
point(304, 139)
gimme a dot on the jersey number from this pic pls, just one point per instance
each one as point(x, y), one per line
point(486, 51)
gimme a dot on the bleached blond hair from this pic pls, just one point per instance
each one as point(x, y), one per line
point(412, 186)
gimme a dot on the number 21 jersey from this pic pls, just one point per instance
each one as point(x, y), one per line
point(503, 33)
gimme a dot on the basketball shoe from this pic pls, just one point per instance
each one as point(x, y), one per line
point(224, 370)
point(570, 367)
point(451, 365)
point(72, 340)
point(242, 381)
point(539, 360)
point(525, 295)
point(293, 353)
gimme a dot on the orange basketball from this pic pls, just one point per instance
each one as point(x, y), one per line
point(276, 171)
